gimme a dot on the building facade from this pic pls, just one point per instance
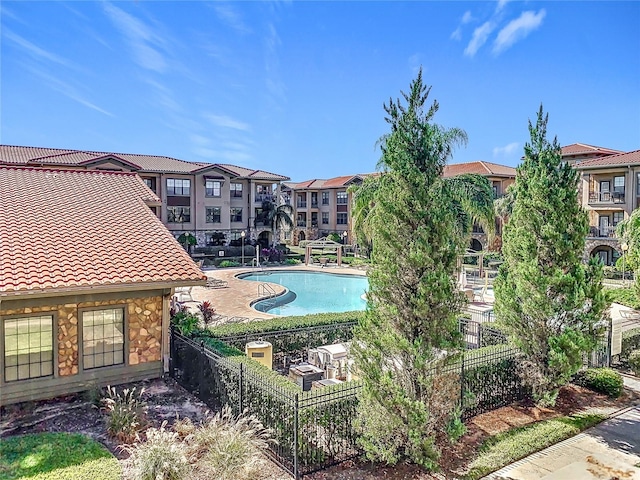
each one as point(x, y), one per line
point(214, 202)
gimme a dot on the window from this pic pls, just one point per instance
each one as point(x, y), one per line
point(236, 214)
point(213, 215)
point(617, 217)
point(341, 198)
point(178, 214)
point(178, 186)
point(28, 347)
point(314, 219)
point(151, 183)
point(102, 338)
point(618, 184)
point(236, 190)
point(212, 188)
point(325, 218)
point(341, 219)
point(314, 199)
point(325, 198)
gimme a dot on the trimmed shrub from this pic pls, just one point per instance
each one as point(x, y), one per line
point(634, 362)
point(603, 380)
point(229, 263)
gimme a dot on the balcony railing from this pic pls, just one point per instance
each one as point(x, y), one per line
point(602, 232)
point(264, 197)
point(314, 204)
point(606, 197)
point(302, 204)
point(302, 223)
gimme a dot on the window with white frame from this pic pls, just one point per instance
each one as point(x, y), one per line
point(102, 338)
point(236, 214)
point(28, 347)
point(325, 218)
point(341, 219)
point(178, 187)
point(178, 214)
point(341, 198)
point(213, 188)
point(617, 218)
point(213, 215)
point(325, 198)
point(236, 189)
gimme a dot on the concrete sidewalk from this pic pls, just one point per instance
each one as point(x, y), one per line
point(608, 451)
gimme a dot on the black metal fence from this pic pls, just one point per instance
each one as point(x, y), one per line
point(477, 335)
point(313, 430)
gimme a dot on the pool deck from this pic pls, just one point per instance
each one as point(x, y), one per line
point(235, 300)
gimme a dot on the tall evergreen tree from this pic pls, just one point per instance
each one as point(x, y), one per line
point(418, 224)
point(628, 231)
point(550, 302)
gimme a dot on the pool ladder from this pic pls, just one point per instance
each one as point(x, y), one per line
point(266, 290)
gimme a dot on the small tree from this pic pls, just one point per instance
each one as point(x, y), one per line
point(187, 240)
point(550, 303)
point(418, 224)
point(628, 231)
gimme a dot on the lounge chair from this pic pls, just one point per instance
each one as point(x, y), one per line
point(216, 283)
point(183, 294)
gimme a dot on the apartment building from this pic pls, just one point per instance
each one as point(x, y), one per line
point(214, 202)
point(610, 192)
point(321, 207)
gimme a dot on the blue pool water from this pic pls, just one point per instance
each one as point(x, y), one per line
point(312, 292)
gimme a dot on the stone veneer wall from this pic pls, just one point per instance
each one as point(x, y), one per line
point(144, 317)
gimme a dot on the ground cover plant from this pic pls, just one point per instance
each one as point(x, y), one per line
point(550, 304)
point(624, 296)
point(56, 456)
point(505, 448)
point(418, 224)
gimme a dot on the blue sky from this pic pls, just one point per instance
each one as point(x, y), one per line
point(297, 87)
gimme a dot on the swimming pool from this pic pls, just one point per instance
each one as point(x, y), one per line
point(311, 292)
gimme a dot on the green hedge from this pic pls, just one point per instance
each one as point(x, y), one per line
point(630, 342)
point(284, 323)
point(603, 380)
point(623, 296)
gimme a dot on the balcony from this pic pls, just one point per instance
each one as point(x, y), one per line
point(302, 204)
point(264, 197)
point(606, 197)
point(602, 232)
point(301, 223)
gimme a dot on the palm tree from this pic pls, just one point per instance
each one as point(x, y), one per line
point(275, 217)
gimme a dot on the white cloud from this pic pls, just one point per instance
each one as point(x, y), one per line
point(142, 39)
point(231, 17)
point(518, 29)
point(36, 51)
point(506, 151)
point(501, 4)
point(480, 36)
point(466, 18)
point(227, 122)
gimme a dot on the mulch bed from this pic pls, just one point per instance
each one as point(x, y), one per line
point(166, 399)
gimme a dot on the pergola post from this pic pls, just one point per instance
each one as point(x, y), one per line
point(339, 255)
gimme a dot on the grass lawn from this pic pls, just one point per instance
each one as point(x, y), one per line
point(508, 447)
point(56, 456)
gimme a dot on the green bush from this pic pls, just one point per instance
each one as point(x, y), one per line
point(603, 380)
point(229, 263)
point(292, 261)
point(623, 296)
point(185, 321)
point(56, 456)
point(634, 362)
point(630, 342)
point(126, 413)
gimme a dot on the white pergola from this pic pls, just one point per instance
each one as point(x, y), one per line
point(322, 243)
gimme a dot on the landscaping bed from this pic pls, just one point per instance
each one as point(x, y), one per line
point(166, 399)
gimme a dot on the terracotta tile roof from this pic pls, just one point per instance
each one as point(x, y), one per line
point(69, 230)
point(335, 182)
point(577, 149)
point(15, 155)
point(480, 168)
point(622, 159)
